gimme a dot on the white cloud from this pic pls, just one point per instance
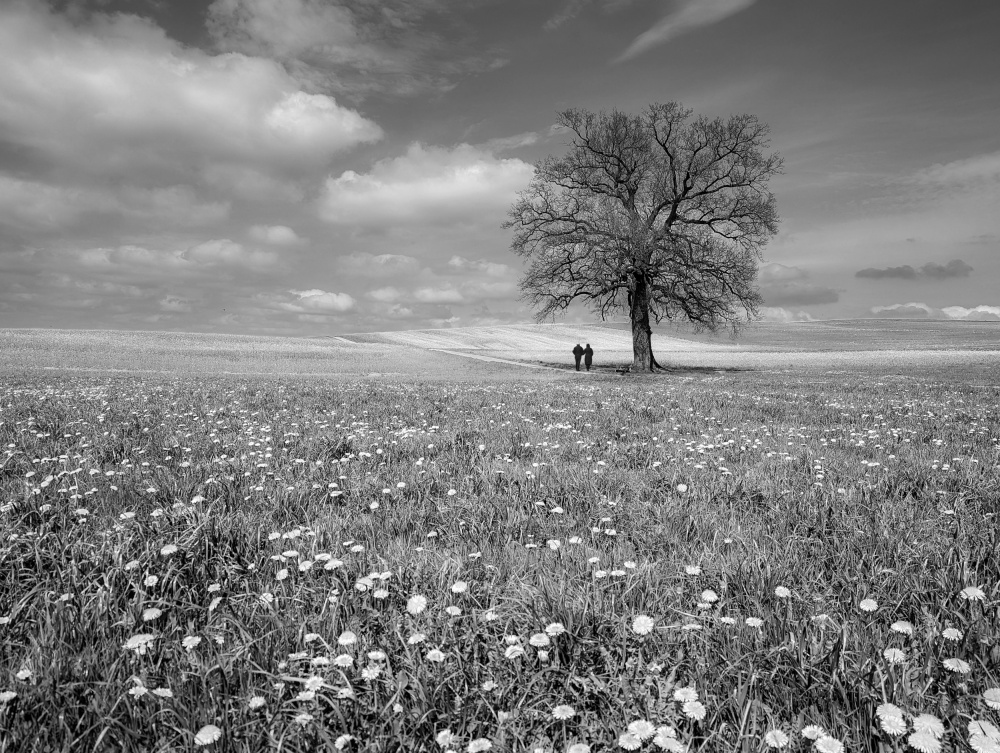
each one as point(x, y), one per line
point(685, 16)
point(276, 235)
point(427, 186)
point(978, 313)
point(141, 261)
point(981, 168)
point(779, 314)
point(438, 295)
point(227, 252)
point(493, 269)
point(320, 302)
point(115, 94)
point(385, 295)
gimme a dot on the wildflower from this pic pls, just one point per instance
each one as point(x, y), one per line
point(371, 672)
point(928, 723)
point(894, 655)
point(666, 739)
point(191, 642)
point(435, 655)
point(642, 729)
point(343, 660)
point(694, 710)
point(347, 638)
point(478, 745)
point(827, 744)
point(310, 637)
point(453, 610)
point(139, 643)
point(754, 622)
point(727, 620)
point(893, 725)
point(957, 666)
point(267, 598)
point(459, 587)
point(445, 738)
point(813, 732)
point(628, 741)
point(150, 581)
point(416, 638)
point(213, 587)
point(693, 570)
point(682, 488)
point(775, 738)
point(305, 565)
point(984, 744)
point(416, 604)
point(902, 626)
point(924, 742)
point(377, 655)
point(563, 712)
point(642, 625)
point(553, 544)
point(578, 748)
point(380, 593)
point(992, 698)
point(972, 593)
point(306, 696)
point(542, 655)
point(488, 686)
point(979, 727)
point(256, 702)
point(207, 735)
point(555, 628)
point(166, 551)
point(868, 605)
point(138, 691)
point(781, 592)
point(709, 596)
point(150, 614)
point(303, 719)
point(281, 574)
point(513, 652)
point(341, 742)
point(888, 709)
point(7, 696)
point(685, 694)
point(314, 683)
point(539, 640)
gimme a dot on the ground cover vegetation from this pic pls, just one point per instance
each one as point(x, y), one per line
point(742, 563)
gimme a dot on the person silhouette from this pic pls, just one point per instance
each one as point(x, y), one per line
point(578, 354)
point(588, 356)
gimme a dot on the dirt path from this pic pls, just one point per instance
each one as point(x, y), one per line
point(497, 360)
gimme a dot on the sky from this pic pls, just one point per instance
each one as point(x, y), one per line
point(311, 167)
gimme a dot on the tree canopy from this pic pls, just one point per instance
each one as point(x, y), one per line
point(660, 214)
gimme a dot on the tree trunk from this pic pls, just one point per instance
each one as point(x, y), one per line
point(642, 333)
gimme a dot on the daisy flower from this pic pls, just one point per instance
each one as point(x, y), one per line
point(776, 739)
point(992, 698)
point(628, 741)
point(813, 732)
point(827, 744)
point(416, 604)
point(902, 626)
point(539, 640)
point(694, 710)
point(459, 587)
point(924, 742)
point(972, 593)
point(207, 735)
point(685, 694)
point(642, 729)
point(868, 605)
point(693, 569)
point(928, 723)
point(893, 725)
point(563, 712)
point(894, 655)
point(445, 738)
point(555, 628)
point(957, 666)
point(781, 592)
point(478, 745)
point(347, 638)
point(642, 625)
point(952, 634)
point(578, 748)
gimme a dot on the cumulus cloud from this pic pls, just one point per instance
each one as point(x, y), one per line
point(919, 310)
point(684, 16)
point(783, 285)
point(275, 235)
point(426, 186)
point(438, 295)
point(319, 302)
point(140, 260)
point(493, 269)
point(780, 314)
point(394, 46)
point(114, 95)
point(954, 268)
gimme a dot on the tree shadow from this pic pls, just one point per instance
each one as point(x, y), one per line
point(624, 369)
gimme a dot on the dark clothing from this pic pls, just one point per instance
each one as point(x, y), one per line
point(578, 354)
point(588, 356)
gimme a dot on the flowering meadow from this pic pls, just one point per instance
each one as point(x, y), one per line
point(746, 562)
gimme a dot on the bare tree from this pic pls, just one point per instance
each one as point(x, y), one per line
point(657, 214)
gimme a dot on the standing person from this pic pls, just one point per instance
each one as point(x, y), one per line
point(588, 356)
point(577, 354)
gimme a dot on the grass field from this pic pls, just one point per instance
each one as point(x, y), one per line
point(797, 558)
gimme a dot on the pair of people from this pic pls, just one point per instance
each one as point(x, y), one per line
point(587, 354)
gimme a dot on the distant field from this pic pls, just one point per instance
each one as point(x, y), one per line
point(844, 335)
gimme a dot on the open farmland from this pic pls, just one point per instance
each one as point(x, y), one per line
point(215, 553)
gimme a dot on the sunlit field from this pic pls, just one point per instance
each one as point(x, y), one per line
point(796, 558)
